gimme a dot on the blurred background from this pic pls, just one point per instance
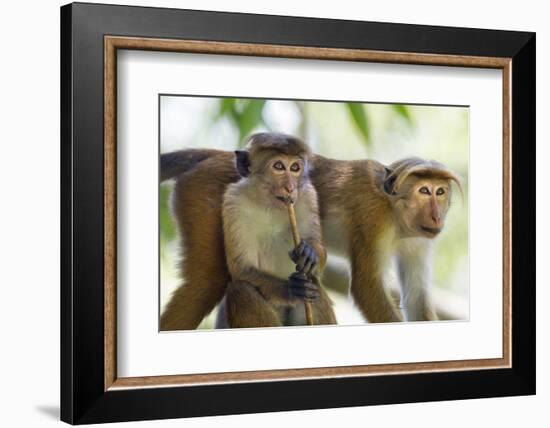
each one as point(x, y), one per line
point(340, 130)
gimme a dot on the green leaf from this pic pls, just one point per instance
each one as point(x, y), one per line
point(403, 111)
point(360, 119)
point(167, 226)
point(227, 107)
point(250, 117)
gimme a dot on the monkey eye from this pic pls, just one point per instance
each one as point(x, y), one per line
point(424, 190)
point(279, 166)
point(295, 167)
point(440, 191)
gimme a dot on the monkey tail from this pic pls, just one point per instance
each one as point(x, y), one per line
point(175, 163)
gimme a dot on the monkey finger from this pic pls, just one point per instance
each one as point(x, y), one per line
point(302, 260)
point(299, 284)
point(306, 267)
point(306, 294)
point(303, 249)
point(311, 263)
point(297, 279)
point(313, 252)
point(312, 266)
point(308, 255)
point(307, 287)
point(297, 253)
point(300, 265)
point(312, 294)
point(298, 292)
point(311, 286)
point(311, 291)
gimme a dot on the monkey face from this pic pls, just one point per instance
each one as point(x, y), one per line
point(423, 206)
point(277, 176)
point(282, 178)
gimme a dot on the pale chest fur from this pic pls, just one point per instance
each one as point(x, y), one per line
point(262, 238)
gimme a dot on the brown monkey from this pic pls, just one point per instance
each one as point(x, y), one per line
point(382, 212)
point(369, 213)
point(269, 282)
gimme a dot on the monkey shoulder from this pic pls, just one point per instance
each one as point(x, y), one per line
point(307, 213)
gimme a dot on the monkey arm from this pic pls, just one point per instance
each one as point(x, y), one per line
point(413, 262)
point(310, 256)
point(372, 298)
point(367, 284)
point(417, 303)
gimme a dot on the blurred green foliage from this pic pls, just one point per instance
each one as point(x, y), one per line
point(167, 223)
point(246, 114)
point(167, 228)
point(402, 111)
point(359, 117)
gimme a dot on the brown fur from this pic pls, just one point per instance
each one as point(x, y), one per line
point(196, 204)
point(355, 190)
point(355, 187)
point(263, 143)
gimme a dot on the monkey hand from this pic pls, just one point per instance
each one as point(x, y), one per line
point(305, 257)
point(301, 287)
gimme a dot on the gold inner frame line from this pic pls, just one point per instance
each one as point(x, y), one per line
point(112, 43)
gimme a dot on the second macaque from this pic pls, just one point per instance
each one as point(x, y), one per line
point(266, 288)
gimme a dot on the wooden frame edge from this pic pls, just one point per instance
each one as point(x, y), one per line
point(298, 374)
point(112, 43)
point(301, 52)
point(109, 197)
point(507, 213)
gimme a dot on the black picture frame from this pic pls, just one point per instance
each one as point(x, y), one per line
point(83, 396)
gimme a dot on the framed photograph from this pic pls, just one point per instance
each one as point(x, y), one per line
point(317, 212)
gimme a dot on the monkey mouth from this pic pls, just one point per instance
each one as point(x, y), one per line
point(433, 231)
point(285, 199)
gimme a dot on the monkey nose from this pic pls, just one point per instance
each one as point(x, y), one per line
point(289, 188)
point(436, 219)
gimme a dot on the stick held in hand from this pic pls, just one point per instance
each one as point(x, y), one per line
point(297, 240)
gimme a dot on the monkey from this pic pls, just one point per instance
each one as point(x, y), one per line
point(370, 213)
point(385, 212)
point(269, 282)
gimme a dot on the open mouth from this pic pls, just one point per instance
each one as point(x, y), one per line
point(431, 230)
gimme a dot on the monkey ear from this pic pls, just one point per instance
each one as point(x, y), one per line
point(243, 162)
point(389, 181)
